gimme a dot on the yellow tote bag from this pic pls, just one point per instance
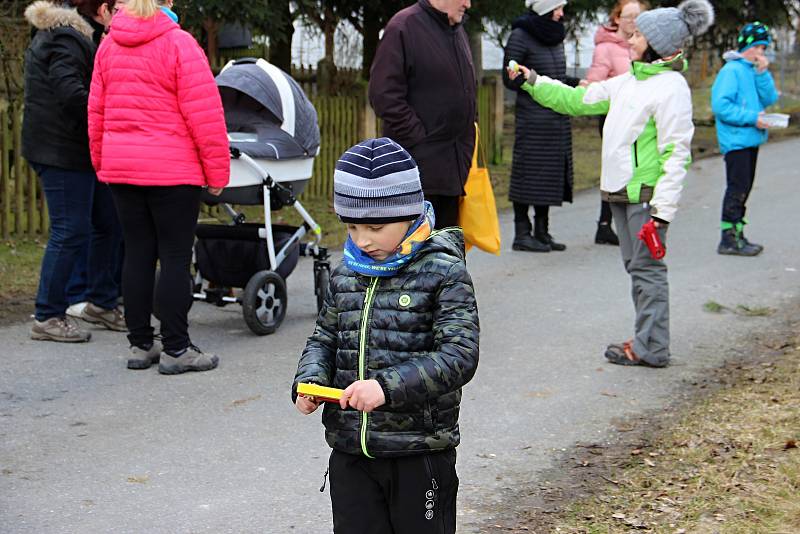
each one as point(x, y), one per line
point(478, 211)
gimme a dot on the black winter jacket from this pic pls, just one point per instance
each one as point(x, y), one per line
point(58, 73)
point(541, 169)
point(422, 85)
point(416, 333)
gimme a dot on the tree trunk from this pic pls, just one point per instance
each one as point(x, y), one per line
point(280, 48)
point(372, 30)
point(211, 27)
point(329, 30)
point(476, 46)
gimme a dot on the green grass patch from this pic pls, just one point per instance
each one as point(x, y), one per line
point(20, 262)
point(741, 309)
point(728, 464)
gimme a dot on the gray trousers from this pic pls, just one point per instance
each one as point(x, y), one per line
point(649, 285)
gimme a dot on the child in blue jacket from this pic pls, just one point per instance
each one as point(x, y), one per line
point(743, 89)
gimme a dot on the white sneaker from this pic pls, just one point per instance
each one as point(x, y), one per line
point(76, 309)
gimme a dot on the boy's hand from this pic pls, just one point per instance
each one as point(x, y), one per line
point(306, 405)
point(761, 124)
point(762, 63)
point(363, 395)
point(521, 75)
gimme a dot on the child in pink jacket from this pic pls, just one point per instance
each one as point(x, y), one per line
point(612, 57)
point(157, 136)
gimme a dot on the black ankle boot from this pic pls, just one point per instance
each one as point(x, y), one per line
point(605, 235)
point(524, 241)
point(542, 234)
point(732, 245)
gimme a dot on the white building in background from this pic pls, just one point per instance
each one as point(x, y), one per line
point(308, 48)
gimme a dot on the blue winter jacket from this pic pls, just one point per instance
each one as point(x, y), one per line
point(739, 94)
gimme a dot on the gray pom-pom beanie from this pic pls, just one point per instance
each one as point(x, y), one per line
point(667, 29)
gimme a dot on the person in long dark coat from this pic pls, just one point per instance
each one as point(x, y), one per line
point(422, 84)
point(541, 172)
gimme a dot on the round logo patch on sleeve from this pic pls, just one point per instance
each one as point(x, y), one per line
point(404, 301)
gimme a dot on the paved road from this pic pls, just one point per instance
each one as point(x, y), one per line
point(87, 446)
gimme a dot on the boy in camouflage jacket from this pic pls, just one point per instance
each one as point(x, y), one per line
point(399, 333)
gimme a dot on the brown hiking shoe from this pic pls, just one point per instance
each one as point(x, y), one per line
point(111, 319)
point(191, 360)
point(140, 358)
point(59, 329)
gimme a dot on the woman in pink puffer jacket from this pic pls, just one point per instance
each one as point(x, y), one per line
point(157, 136)
point(611, 58)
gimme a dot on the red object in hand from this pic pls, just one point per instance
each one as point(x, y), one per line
point(649, 234)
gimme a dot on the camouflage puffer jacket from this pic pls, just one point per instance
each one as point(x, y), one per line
point(416, 333)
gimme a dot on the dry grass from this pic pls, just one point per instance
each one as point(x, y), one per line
point(730, 464)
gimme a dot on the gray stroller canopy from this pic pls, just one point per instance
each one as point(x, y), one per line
point(266, 112)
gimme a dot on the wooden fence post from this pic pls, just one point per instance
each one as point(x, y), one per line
point(5, 171)
point(19, 188)
point(368, 126)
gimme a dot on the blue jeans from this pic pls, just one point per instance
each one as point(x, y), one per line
point(82, 214)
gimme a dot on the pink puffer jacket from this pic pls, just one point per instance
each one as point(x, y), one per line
point(612, 55)
point(155, 114)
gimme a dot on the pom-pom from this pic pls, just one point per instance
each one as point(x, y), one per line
point(698, 15)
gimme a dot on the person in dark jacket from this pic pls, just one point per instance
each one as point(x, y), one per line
point(422, 85)
point(399, 334)
point(541, 171)
point(55, 140)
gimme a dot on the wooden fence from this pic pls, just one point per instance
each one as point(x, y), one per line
point(343, 121)
point(22, 209)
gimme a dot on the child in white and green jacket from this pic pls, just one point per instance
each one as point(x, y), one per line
point(646, 153)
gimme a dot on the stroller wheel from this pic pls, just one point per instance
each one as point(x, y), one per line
point(264, 302)
point(155, 309)
point(322, 278)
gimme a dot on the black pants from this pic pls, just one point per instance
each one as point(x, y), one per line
point(158, 223)
point(445, 208)
point(740, 166)
point(405, 495)
point(540, 211)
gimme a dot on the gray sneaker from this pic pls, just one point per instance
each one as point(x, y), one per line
point(61, 329)
point(111, 319)
point(143, 359)
point(191, 360)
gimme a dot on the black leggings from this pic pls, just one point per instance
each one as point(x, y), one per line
point(741, 173)
point(158, 224)
point(540, 211)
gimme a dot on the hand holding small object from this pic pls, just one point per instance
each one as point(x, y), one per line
point(762, 63)
point(363, 395)
point(521, 74)
point(306, 405)
point(762, 124)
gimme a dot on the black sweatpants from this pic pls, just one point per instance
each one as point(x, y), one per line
point(445, 208)
point(158, 224)
point(405, 495)
point(740, 167)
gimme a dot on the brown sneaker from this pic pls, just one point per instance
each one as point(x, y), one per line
point(191, 360)
point(59, 329)
point(111, 319)
point(143, 359)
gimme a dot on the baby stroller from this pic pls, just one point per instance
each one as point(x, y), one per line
point(274, 137)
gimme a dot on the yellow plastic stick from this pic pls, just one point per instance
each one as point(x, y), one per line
point(321, 393)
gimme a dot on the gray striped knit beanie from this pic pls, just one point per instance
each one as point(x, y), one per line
point(377, 181)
